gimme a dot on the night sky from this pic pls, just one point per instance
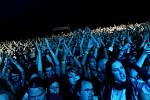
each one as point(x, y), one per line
point(41, 15)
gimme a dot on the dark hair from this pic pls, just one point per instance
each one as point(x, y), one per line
point(108, 71)
point(13, 69)
point(89, 57)
point(49, 83)
point(79, 83)
point(74, 70)
point(36, 82)
point(5, 88)
point(30, 71)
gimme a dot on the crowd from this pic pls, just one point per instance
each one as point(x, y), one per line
point(111, 63)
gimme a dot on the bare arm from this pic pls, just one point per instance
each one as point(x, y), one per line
point(54, 57)
point(20, 69)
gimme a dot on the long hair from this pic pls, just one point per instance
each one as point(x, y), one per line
point(108, 72)
point(111, 82)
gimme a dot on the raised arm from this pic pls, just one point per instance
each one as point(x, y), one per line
point(70, 40)
point(75, 59)
point(51, 52)
point(63, 62)
point(134, 73)
point(57, 49)
point(145, 38)
point(56, 61)
point(5, 68)
point(98, 45)
point(20, 69)
point(39, 60)
point(90, 45)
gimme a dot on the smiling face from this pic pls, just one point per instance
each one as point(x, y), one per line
point(118, 72)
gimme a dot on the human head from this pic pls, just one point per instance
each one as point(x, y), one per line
point(115, 72)
point(101, 68)
point(36, 89)
point(54, 87)
point(15, 77)
point(92, 62)
point(14, 74)
point(49, 70)
point(85, 89)
point(92, 65)
point(132, 59)
point(73, 76)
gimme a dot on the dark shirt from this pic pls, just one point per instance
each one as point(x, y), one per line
point(54, 97)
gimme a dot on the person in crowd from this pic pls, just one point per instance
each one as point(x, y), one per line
point(85, 90)
point(122, 86)
point(54, 90)
point(36, 90)
point(113, 61)
point(72, 77)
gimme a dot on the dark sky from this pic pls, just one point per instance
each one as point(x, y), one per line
point(41, 15)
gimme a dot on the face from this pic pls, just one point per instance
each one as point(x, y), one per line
point(37, 93)
point(54, 88)
point(118, 72)
point(49, 72)
point(73, 78)
point(87, 92)
point(15, 77)
point(101, 69)
point(92, 63)
point(4, 97)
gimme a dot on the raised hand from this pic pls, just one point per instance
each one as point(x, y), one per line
point(37, 46)
point(47, 43)
point(90, 43)
point(101, 41)
point(126, 46)
point(147, 48)
point(94, 40)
